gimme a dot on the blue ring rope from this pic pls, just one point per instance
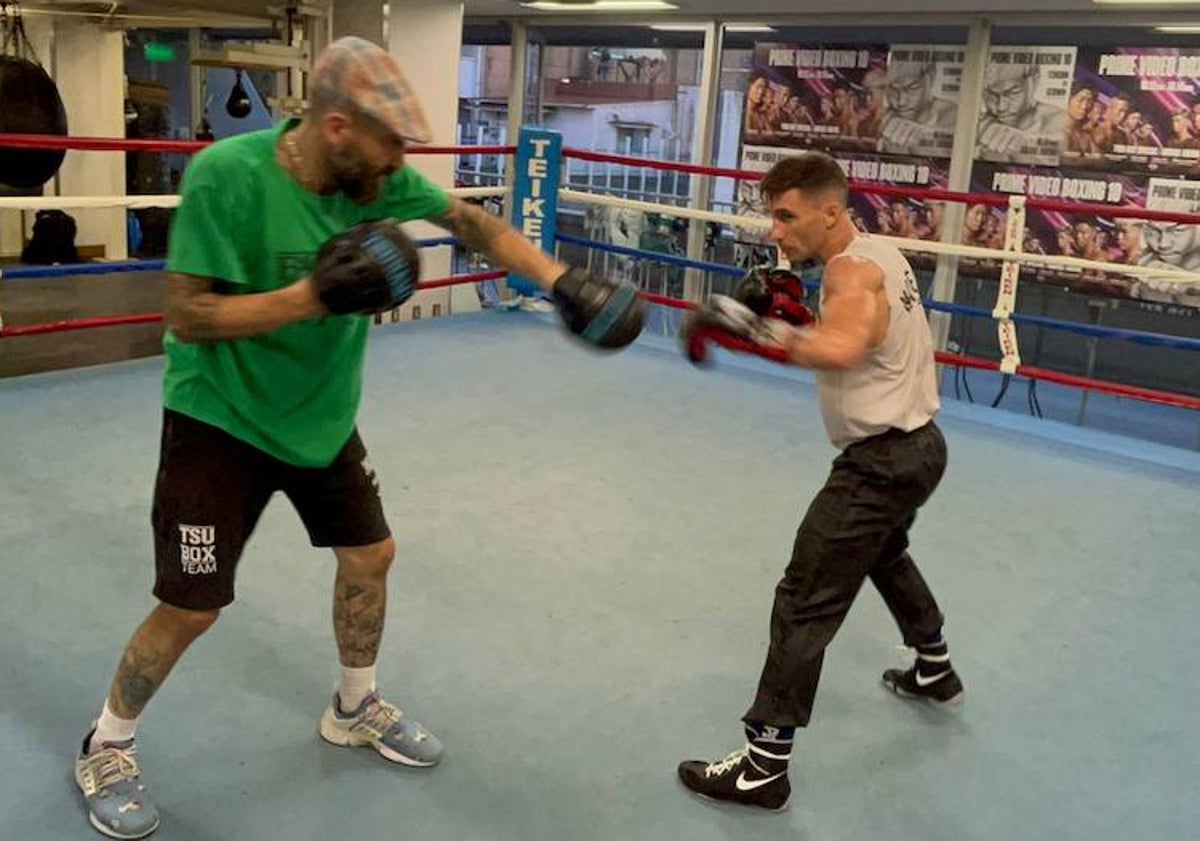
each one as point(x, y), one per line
point(72, 269)
point(1136, 336)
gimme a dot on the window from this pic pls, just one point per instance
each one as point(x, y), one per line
point(633, 140)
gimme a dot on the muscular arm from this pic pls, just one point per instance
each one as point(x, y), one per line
point(503, 244)
point(854, 318)
point(196, 313)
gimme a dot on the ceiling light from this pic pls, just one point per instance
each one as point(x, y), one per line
point(602, 6)
point(699, 27)
point(1179, 29)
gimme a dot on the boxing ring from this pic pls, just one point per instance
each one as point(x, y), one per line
point(587, 547)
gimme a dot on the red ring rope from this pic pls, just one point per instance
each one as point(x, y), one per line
point(458, 280)
point(111, 144)
point(81, 324)
point(1032, 372)
point(1147, 395)
point(154, 317)
point(992, 199)
point(99, 144)
point(1029, 372)
point(190, 147)
point(696, 169)
point(36, 141)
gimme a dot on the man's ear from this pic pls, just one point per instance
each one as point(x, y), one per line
point(833, 211)
point(335, 126)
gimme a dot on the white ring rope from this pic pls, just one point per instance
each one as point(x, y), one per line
point(1077, 264)
point(86, 202)
point(140, 202)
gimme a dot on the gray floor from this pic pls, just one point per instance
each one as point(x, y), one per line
point(588, 547)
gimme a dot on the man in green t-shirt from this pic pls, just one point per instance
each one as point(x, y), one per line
point(262, 385)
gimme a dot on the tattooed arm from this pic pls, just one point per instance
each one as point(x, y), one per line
point(197, 313)
point(502, 243)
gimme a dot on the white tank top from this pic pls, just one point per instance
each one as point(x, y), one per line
point(896, 386)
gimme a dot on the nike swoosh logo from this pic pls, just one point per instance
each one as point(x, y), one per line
point(743, 784)
point(924, 681)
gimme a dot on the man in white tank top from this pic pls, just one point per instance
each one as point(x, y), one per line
point(873, 355)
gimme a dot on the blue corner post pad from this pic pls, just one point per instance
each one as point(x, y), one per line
point(535, 194)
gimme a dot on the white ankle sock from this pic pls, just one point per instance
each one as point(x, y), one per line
point(111, 728)
point(356, 684)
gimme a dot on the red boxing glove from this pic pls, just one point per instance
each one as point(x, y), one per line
point(775, 293)
point(732, 325)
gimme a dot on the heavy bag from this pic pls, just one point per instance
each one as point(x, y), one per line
point(29, 104)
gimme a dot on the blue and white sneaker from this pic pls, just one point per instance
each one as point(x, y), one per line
point(119, 805)
point(385, 728)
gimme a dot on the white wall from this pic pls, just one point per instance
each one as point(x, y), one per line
point(90, 69)
point(470, 72)
point(425, 36)
point(356, 17)
point(591, 127)
point(575, 125)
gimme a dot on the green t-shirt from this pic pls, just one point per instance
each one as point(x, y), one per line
point(243, 221)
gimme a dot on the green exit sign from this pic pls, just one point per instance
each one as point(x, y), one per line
point(156, 53)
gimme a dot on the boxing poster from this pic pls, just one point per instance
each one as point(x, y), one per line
point(1169, 244)
point(815, 97)
point(1099, 237)
point(899, 216)
point(1134, 108)
point(903, 216)
point(1024, 111)
point(752, 246)
point(920, 100)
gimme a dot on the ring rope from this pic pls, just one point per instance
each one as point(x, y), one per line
point(170, 200)
point(1135, 336)
point(918, 245)
point(151, 317)
point(921, 193)
point(191, 147)
point(119, 266)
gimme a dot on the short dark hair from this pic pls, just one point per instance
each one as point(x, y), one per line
point(810, 173)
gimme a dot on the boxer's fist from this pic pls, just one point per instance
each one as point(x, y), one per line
point(733, 325)
point(774, 293)
point(898, 131)
point(1000, 139)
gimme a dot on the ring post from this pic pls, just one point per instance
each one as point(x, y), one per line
point(535, 194)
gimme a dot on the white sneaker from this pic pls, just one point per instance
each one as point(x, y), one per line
point(119, 805)
point(385, 728)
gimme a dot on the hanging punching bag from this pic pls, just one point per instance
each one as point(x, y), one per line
point(238, 105)
point(29, 104)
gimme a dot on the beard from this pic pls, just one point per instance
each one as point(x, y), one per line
point(349, 173)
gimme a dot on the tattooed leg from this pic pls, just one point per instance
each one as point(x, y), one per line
point(360, 601)
point(151, 654)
